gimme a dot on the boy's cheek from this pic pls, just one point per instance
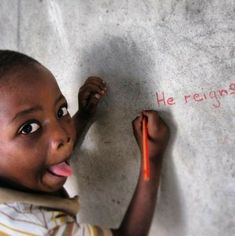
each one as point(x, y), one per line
point(25, 150)
point(26, 141)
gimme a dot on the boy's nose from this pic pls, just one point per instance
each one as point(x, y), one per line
point(60, 139)
point(59, 142)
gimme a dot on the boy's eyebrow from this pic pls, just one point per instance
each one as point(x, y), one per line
point(59, 98)
point(25, 112)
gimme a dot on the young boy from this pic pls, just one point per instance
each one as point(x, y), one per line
point(37, 137)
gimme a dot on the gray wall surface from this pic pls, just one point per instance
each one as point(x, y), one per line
point(144, 49)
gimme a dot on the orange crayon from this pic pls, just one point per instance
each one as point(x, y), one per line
point(145, 153)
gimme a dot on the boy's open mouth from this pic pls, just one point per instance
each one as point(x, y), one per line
point(61, 169)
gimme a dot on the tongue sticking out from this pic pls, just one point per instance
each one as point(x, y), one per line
point(61, 169)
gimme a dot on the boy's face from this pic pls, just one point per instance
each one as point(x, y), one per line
point(36, 131)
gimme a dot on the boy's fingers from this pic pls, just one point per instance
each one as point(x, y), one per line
point(156, 126)
point(137, 120)
point(99, 84)
point(87, 95)
point(90, 98)
point(90, 85)
point(94, 99)
point(137, 125)
point(152, 116)
point(154, 122)
point(92, 103)
point(83, 96)
point(91, 88)
point(96, 80)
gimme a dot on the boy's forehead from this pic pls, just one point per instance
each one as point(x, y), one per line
point(26, 86)
point(25, 74)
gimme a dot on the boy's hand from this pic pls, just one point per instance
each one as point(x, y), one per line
point(158, 134)
point(90, 94)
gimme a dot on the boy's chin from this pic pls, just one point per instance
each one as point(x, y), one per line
point(53, 183)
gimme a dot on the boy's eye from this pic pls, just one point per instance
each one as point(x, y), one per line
point(63, 111)
point(29, 128)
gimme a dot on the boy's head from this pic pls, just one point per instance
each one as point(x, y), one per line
point(36, 131)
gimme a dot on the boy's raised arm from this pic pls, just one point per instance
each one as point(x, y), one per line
point(89, 96)
point(138, 217)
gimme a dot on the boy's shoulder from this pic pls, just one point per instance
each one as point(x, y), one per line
point(17, 215)
point(20, 218)
point(41, 200)
point(27, 218)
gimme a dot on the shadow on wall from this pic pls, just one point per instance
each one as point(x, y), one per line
point(109, 163)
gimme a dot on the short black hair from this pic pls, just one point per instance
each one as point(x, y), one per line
point(11, 59)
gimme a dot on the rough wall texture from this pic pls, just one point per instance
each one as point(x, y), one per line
point(144, 50)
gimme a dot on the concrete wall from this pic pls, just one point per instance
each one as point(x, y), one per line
point(144, 49)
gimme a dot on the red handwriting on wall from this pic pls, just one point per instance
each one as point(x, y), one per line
point(197, 97)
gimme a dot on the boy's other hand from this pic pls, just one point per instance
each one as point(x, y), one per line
point(158, 133)
point(90, 94)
